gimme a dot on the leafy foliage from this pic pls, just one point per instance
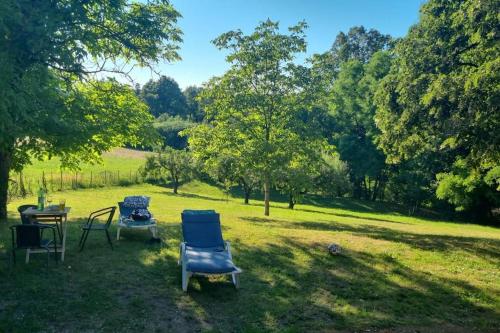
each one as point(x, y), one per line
point(169, 164)
point(255, 110)
point(354, 131)
point(164, 97)
point(333, 176)
point(441, 97)
point(46, 47)
point(194, 111)
point(170, 128)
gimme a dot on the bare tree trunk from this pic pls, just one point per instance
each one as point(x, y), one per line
point(5, 165)
point(267, 186)
point(247, 197)
point(176, 185)
point(247, 190)
point(291, 201)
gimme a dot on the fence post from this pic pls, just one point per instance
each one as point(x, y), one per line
point(61, 182)
point(90, 178)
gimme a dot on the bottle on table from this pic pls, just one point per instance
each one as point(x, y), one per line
point(41, 199)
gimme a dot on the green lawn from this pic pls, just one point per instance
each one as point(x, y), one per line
point(395, 272)
point(119, 166)
point(119, 159)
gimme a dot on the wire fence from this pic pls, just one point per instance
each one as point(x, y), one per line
point(21, 186)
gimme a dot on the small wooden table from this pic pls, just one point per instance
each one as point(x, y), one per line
point(50, 215)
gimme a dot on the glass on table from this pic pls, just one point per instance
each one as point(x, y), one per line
point(62, 204)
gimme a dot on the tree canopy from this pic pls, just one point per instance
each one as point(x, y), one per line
point(164, 96)
point(253, 110)
point(441, 97)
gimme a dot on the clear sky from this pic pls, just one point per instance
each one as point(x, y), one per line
point(204, 20)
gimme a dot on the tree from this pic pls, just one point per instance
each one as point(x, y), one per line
point(253, 108)
point(357, 44)
point(169, 164)
point(170, 128)
point(333, 176)
point(164, 97)
point(46, 47)
point(194, 111)
point(297, 177)
point(354, 132)
point(441, 98)
point(228, 170)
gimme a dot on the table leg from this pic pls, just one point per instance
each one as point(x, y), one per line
point(63, 227)
point(27, 256)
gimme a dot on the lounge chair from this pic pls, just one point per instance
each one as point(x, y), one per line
point(203, 251)
point(126, 208)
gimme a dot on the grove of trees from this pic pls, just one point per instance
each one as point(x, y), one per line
point(412, 120)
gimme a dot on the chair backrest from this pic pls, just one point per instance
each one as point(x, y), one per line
point(201, 228)
point(24, 218)
point(109, 211)
point(124, 210)
point(26, 235)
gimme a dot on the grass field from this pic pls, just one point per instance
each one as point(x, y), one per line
point(119, 159)
point(120, 166)
point(396, 272)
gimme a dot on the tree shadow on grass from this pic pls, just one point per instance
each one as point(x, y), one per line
point(286, 285)
point(487, 248)
point(190, 196)
point(354, 291)
point(98, 289)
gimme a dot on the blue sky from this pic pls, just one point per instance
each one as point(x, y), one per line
point(204, 20)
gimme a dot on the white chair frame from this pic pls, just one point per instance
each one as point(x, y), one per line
point(151, 227)
point(186, 275)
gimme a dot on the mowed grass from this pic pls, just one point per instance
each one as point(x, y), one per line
point(395, 271)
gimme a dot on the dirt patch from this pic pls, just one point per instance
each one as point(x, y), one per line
point(128, 153)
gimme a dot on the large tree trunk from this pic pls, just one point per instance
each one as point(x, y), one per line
point(247, 197)
point(247, 190)
point(267, 186)
point(176, 185)
point(291, 201)
point(5, 164)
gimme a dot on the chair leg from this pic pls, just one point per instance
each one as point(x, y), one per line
point(48, 256)
point(154, 231)
point(185, 279)
point(84, 240)
point(81, 238)
point(55, 252)
point(118, 234)
point(27, 256)
point(109, 238)
point(14, 256)
point(236, 280)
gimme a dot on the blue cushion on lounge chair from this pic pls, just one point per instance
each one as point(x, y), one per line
point(210, 261)
point(125, 219)
point(202, 229)
point(136, 201)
